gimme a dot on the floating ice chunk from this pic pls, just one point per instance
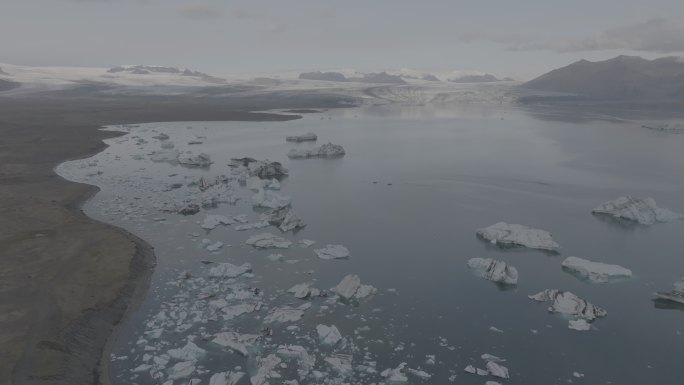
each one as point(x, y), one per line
point(268, 241)
point(490, 357)
point(252, 226)
point(493, 270)
point(328, 335)
point(644, 211)
point(513, 234)
point(304, 290)
point(306, 243)
point(309, 136)
point(577, 374)
point(233, 311)
point(182, 369)
point(567, 303)
point(351, 287)
point(275, 258)
point(473, 370)
point(332, 252)
point(189, 352)
point(395, 376)
point(265, 369)
point(216, 246)
point(264, 169)
point(579, 324)
point(228, 270)
point(420, 374)
point(327, 150)
point(270, 200)
point(341, 363)
point(199, 160)
point(190, 209)
point(497, 370)
point(211, 221)
point(596, 272)
point(161, 136)
point(495, 329)
point(677, 295)
point(226, 378)
point(255, 184)
point(240, 343)
point(284, 314)
point(492, 383)
point(165, 155)
point(142, 368)
point(305, 361)
point(285, 219)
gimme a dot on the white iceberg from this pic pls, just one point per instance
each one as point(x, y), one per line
point(328, 335)
point(676, 295)
point(211, 221)
point(270, 200)
point(226, 378)
point(308, 137)
point(644, 211)
point(268, 241)
point(351, 288)
point(596, 272)
point(285, 219)
point(493, 270)
point(570, 305)
point(332, 252)
point(199, 160)
point(513, 234)
point(239, 343)
point(327, 150)
point(228, 270)
point(189, 352)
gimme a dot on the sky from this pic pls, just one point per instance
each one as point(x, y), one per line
point(521, 39)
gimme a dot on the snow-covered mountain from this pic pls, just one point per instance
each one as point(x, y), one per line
point(401, 76)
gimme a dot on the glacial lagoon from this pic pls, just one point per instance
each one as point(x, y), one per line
point(406, 200)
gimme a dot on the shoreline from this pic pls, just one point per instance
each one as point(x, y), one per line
point(85, 277)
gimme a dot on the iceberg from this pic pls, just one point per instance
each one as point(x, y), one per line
point(226, 378)
point(596, 272)
point(305, 361)
point(644, 211)
point(212, 221)
point(332, 252)
point(268, 241)
point(270, 200)
point(351, 288)
point(493, 270)
point(497, 370)
point(327, 150)
point(308, 137)
point(303, 290)
point(285, 219)
point(228, 270)
point(199, 160)
point(237, 342)
point(676, 295)
point(570, 305)
point(513, 234)
point(263, 169)
point(328, 335)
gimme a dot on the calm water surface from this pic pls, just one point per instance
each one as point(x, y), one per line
point(415, 184)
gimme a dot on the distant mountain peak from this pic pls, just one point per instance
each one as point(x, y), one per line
point(142, 69)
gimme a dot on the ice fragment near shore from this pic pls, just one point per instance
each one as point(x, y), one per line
point(644, 211)
point(332, 252)
point(308, 137)
point(596, 272)
point(493, 270)
point(268, 241)
point(513, 234)
point(327, 150)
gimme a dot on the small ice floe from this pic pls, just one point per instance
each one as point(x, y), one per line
point(265, 369)
point(495, 329)
point(569, 305)
point(165, 155)
point(252, 226)
point(286, 314)
point(199, 160)
point(473, 370)
point(423, 375)
point(270, 200)
point(308, 137)
point(351, 288)
point(228, 270)
point(332, 252)
point(226, 378)
point(492, 383)
point(327, 150)
point(497, 370)
point(211, 247)
point(596, 272)
point(676, 295)
point(341, 363)
point(183, 369)
point(305, 243)
point(304, 290)
point(285, 219)
point(255, 184)
point(579, 325)
point(211, 221)
point(513, 234)
point(190, 209)
point(395, 376)
point(161, 136)
point(275, 258)
point(263, 169)
point(328, 335)
point(268, 241)
point(644, 211)
point(493, 270)
point(577, 374)
point(305, 361)
point(240, 343)
point(189, 352)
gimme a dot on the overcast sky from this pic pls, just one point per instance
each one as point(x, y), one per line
point(522, 38)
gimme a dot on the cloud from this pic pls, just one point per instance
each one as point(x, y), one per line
point(200, 12)
point(658, 35)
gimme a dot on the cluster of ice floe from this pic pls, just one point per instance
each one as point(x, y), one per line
point(327, 150)
point(644, 211)
point(568, 304)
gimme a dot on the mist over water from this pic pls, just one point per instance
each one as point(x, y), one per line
point(406, 200)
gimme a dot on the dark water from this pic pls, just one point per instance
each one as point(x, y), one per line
point(415, 184)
